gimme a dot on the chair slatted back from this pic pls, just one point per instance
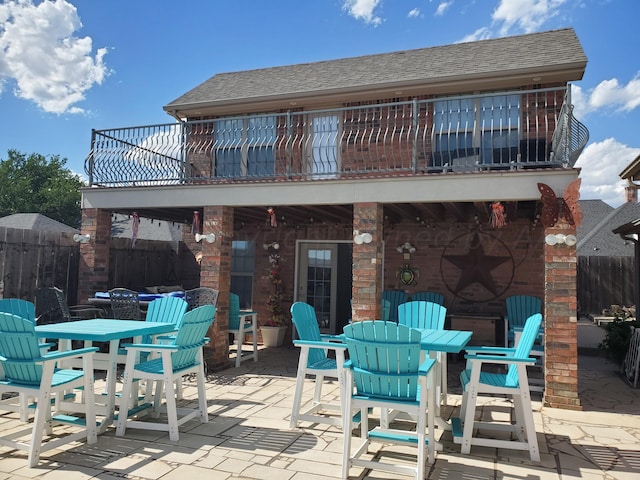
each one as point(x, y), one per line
point(125, 304)
point(428, 296)
point(524, 346)
point(19, 307)
point(422, 314)
point(196, 297)
point(165, 310)
point(234, 311)
point(386, 309)
point(51, 306)
point(386, 359)
point(520, 308)
point(306, 323)
point(395, 298)
point(191, 335)
point(20, 348)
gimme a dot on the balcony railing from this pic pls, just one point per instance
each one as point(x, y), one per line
point(507, 130)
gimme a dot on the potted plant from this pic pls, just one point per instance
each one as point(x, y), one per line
point(275, 328)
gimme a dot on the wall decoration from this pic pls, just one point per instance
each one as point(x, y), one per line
point(568, 206)
point(485, 258)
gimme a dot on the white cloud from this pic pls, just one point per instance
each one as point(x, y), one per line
point(601, 164)
point(50, 66)
point(414, 13)
point(528, 15)
point(442, 7)
point(363, 10)
point(607, 95)
point(480, 34)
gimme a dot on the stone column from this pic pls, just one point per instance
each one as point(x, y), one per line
point(561, 322)
point(93, 270)
point(367, 262)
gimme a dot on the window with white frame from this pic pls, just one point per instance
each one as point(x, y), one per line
point(245, 146)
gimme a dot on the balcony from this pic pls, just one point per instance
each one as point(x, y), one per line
point(500, 131)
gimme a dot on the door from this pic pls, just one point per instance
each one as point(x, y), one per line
point(317, 281)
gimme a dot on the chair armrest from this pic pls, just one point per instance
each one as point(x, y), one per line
point(490, 350)
point(426, 366)
point(499, 360)
point(56, 355)
point(331, 338)
point(315, 344)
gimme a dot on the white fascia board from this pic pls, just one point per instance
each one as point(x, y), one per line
point(477, 187)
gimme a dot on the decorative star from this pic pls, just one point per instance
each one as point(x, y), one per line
point(476, 267)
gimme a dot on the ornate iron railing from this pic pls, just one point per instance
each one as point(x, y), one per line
point(505, 130)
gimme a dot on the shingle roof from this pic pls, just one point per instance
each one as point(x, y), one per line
point(543, 51)
point(35, 221)
point(600, 240)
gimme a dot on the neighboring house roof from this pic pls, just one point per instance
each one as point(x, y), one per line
point(600, 240)
point(148, 229)
point(35, 221)
point(521, 55)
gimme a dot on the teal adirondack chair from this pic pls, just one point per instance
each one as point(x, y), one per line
point(395, 298)
point(164, 310)
point(514, 383)
point(26, 310)
point(422, 314)
point(34, 375)
point(518, 309)
point(428, 296)
point(385, 371)
point(181, 356)
point(314, 361)
point(241, 323)
point(17, 306)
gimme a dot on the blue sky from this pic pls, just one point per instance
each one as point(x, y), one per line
point(69, 66)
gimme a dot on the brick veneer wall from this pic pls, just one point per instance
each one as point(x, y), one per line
point(561, 323)
point(216, 273)
point(94, 255)
point(367, 262)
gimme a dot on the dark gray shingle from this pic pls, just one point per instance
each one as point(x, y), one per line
point(500, 57)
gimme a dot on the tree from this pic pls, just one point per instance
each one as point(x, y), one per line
point(35, 184)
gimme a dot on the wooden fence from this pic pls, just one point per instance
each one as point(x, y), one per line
point(604, 281)
point(30, 259)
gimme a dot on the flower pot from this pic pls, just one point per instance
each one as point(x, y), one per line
point(273, 336)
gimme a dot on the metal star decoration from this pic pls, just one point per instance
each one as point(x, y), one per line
point(476, 267)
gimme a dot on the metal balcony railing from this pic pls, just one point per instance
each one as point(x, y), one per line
point(506, 130)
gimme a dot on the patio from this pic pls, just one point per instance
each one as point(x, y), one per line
point(248, 436)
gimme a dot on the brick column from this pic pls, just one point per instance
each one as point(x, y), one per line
point(367, 263)
point(93, 270)
point(215, 272)
point(561, 322)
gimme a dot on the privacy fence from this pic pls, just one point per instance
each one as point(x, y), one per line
point(604, 281)
point(30, 259)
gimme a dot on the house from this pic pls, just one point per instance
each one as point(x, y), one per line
point(35, 221)
point(412, 170)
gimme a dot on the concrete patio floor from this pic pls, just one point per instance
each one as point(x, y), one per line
point(248, 436)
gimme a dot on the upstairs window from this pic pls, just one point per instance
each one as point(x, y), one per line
point(477, 130)
point(244, 147)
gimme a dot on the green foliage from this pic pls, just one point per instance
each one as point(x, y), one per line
point(617, 338)
point(36, 184)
